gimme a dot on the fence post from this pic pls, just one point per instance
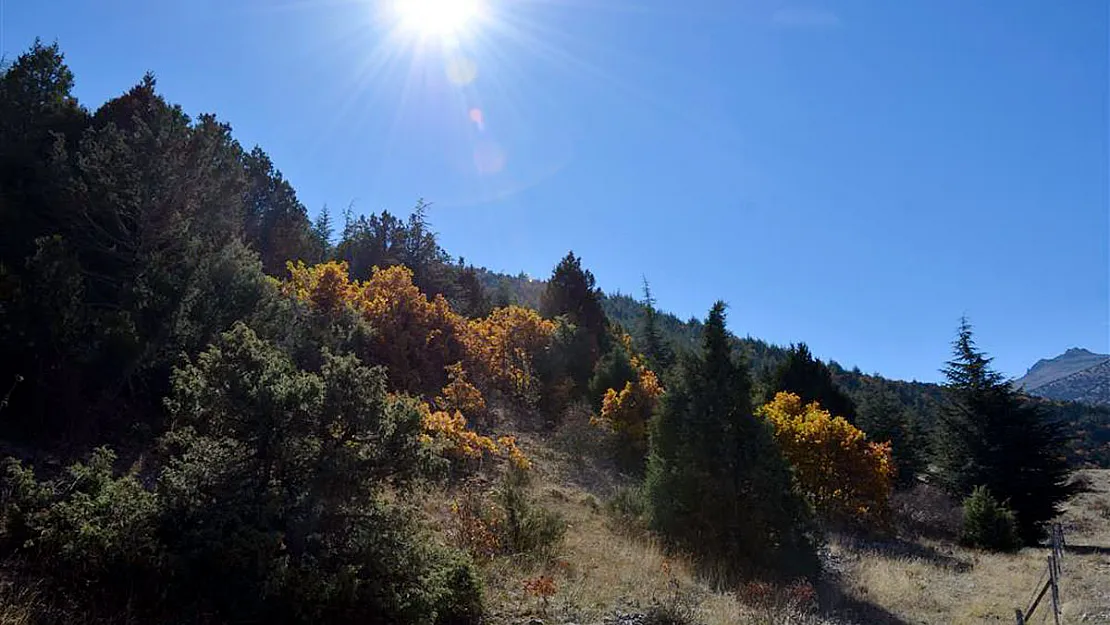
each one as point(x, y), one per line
point(1055, 589)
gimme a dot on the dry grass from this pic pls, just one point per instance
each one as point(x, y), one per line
point(605, 566)
point(17, 603)
point(944, 583)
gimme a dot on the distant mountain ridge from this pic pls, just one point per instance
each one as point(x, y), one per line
point(1090, 386)
point(1049, 370)
point(1076, 375)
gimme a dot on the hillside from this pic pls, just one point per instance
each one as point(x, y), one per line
point(216, 411)
point(1047, 371)
point(1078, 400)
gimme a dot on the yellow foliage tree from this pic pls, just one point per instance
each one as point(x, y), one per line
point(501, 349)
point(415, 338)
point(845, 476)
point(428, 348)
point(459, 394)
point(628, 412)
point(327, 286)
point(447, 433)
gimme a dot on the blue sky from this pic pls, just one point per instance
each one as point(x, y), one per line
point(853, 174)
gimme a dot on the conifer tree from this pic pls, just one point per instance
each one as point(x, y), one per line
point(885, 419)
point(811, 379)
point(322, 231)
point(572, 293)
point(717, 484)
point(988, 435)
point(658, 353)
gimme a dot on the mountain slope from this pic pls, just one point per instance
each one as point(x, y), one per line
point(1091, 386)
point(1050, 370)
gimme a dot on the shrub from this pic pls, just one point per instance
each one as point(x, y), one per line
point(628, 504)
point(795, 602)
point(847, 478)
point(277, 502)
point(989, 524)
point(528, 528)
point(926, 510)
point(86, 529)
point(508, 523)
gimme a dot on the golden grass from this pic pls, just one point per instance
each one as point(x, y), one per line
point(953, 585)
point(604, 567)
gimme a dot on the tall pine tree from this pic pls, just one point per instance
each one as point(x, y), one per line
point(658, 353)
point(988, 435)
point(717, 484)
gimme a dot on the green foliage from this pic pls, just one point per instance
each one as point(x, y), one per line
point(987, 435)
point(88, 529)
point(275, 504)
point(809, 378)
point(659, 355)
point(629, 504)
point(717, 484)
point(527, 528)
point(571, 293)
point(275, 221)
point(612, 371)
point(989, 524)
point(885, 419)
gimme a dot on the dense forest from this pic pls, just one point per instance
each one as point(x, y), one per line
point(218, 410)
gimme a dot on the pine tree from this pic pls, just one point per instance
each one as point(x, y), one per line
point(885, 419)
point(572, 293)
point(811, 379)
point(717, 484)
point(658, 353)
point(322, 231)
point(988, 435)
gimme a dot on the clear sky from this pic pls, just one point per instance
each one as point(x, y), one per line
point(853, 174)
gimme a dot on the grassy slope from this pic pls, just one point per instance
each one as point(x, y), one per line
point(605, 566)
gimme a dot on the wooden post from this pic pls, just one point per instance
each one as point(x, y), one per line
point(1055, 589)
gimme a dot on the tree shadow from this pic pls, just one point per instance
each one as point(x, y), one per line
point(1086, 550)
point(847, 608)
point(898, 547)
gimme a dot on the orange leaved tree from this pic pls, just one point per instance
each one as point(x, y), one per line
point(846, 477)
point(501, 350)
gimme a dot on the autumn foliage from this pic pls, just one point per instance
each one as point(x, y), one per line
point(846, 477)
point(628, 411)
point(430, 351)
point(501, 349)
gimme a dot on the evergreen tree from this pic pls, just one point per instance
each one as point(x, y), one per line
point(322, 231)
point(811, 379)
point(36, 110)
point(885, 419)
point(277, 224)
point(717, 484)
point(988, 435)
point(469, 296)
point(658, 353)
point(573, 294)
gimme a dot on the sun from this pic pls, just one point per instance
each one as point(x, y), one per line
point(439, 18)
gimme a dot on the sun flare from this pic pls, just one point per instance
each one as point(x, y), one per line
point(440, 18)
